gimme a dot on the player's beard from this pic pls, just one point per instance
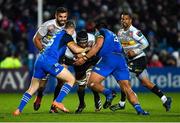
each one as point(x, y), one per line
point(61, 23)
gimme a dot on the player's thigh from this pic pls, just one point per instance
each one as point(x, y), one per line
point(95, 78)
point(66, 76)
point(121, 74)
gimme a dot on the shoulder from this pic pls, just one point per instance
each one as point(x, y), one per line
point(48, 23)
point(137, 34)
point(120, 32)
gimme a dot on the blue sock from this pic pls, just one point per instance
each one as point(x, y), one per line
point(25, 99)
point(138, 107)
point(64, 91)
point(106, 91)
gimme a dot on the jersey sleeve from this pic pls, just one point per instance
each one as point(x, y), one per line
point(100, 34)
point(137, 35)
point(43, 29)
point(141, 39)
point(68, 38)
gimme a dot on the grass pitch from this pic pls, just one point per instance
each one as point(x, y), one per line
point(150, 102)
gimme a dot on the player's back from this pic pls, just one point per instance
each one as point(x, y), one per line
point(58, 47)
point(111, 43)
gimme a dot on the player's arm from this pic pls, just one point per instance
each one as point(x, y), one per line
point(37, 41)
point(93, 51)
point(96, 47)
point(75, 48)
point(143, 43)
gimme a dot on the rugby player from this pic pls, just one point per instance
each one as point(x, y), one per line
point(112, 62)
point(133, 43)
point(42, 39)
point(83, 39)
point(47, 62)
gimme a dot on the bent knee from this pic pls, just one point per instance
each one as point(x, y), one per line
point(71, 80)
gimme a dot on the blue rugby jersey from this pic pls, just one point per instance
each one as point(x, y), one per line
point(111, 43)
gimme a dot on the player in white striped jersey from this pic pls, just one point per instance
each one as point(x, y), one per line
point(42, 39)
point(82, 72)
point(134, 42)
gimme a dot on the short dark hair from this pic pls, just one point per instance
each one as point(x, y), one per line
point(101, 24)
point(70, 24)
point(127, 13)
point(82, 36)
point(61, 10)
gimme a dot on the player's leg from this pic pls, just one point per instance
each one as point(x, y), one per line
point(58, 87)
point(81, 94)
point(27, 95)
point(143, 77)
point(95, 84)
point(97, 101)
point(139, 68)
point(121, 104)
point(35, 81)
point(125, 86)
point(38, 99)
point(67, 77)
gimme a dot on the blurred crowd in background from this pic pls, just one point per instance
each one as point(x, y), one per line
point(157, 19)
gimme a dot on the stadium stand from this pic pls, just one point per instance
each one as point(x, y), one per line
point(157, 19)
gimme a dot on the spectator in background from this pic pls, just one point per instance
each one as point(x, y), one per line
point(155, 62)
point(11, 62)
point(163, 26)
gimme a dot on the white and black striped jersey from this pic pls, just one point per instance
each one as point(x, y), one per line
point(133, 39)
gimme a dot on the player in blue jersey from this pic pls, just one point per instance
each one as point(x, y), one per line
point(47, 62)
point(112, 62)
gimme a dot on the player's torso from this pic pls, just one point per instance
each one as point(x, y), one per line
point(58, 47)
point(128, 40)
point(91, 41)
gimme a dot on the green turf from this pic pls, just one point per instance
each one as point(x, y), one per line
point(9, 102)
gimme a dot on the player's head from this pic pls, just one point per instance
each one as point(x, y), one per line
point(126, 20)
point(82, 38)
point(70, 27)
point(61, 16)
point(101, 24)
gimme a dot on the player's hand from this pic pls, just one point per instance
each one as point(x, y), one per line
point(80, 61)
point(80, 55)
point(131, 53)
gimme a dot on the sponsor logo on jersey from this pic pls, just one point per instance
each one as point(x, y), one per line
point(139, 33)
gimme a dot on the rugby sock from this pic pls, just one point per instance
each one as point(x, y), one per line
point(64, 91)
point(157, 91)
point(106, 91)
point(57, 90)
point(123, 96)
point(96, 96)
point(40, 92)
point(81, 94)
point(137, 108)
point(25, 99)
